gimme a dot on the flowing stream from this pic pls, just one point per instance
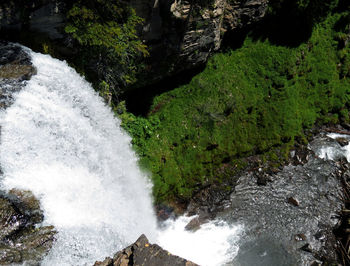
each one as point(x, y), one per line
point(60, 141)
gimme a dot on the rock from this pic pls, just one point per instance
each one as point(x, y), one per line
point(300, 155)
point(145, 254)
point(316, 263)
point(262, 178)
point(106, 262)
point(45, 16)
point(196, 223)
point(210, 200)
point(21, 239)
point(15, 63)
point(306, 248)
point(193, 225)
point(164, 212)
point(10, 219)
point(293, 201)
point(342, 141)
point(19, 72)
point(15, 69)
point(28, 204)
point(239, 14)
point(180, 34)
point(300, 237)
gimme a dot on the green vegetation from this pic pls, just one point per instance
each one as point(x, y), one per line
point(245, 102)
point(106, 32)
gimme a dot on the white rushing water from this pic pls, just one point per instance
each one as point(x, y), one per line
point(62, 142)
point(334, 152)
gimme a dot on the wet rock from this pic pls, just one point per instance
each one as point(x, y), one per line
point(17, 72)
point(300, 237)
point(293, 201)
point(15, 63)
point(164, 212)
point(306, 248)
point(210, 200)
point(106, 262)
point(15, 69)
point(145, 254)
point(262, 178)
point(28, 204)
point(21, 239)
point(300, 155)
point(315, 263)
point(10, 219)
point(196, 222)
point(342, 141)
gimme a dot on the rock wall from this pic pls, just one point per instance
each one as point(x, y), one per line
point(180, 34)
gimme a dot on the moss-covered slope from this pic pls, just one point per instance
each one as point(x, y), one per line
point(245, 102)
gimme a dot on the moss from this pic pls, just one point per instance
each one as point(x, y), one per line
point(255, 100)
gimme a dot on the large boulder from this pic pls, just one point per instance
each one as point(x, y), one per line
point(21, 237)
point(145, 254)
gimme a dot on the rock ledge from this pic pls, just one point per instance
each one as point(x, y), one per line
point(145, 254)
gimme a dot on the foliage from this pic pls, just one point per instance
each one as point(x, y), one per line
point(245, 102)
point(107, 24)
point(106, 31)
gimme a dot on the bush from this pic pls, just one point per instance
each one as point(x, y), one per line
point(106, 31)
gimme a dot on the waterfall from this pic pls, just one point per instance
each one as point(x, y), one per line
point(60, 141)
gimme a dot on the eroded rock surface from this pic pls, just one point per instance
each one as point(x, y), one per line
point(145, 254)
point(21, 239)
point(180, 34)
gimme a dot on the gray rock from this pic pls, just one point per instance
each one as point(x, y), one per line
point(145, 254)
point(180, 34)
point(15, 69)
point(21, 239)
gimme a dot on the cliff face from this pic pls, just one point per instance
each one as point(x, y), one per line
point(45, 16)
point(180, 34)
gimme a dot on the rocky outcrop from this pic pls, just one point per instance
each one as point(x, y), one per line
point(45, 16)
point(21, 240)
point(180, 34)
point(15, 69)
point(145, 254)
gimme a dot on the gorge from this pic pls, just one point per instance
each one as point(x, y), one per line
point(60, 141)
point(233, 158)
